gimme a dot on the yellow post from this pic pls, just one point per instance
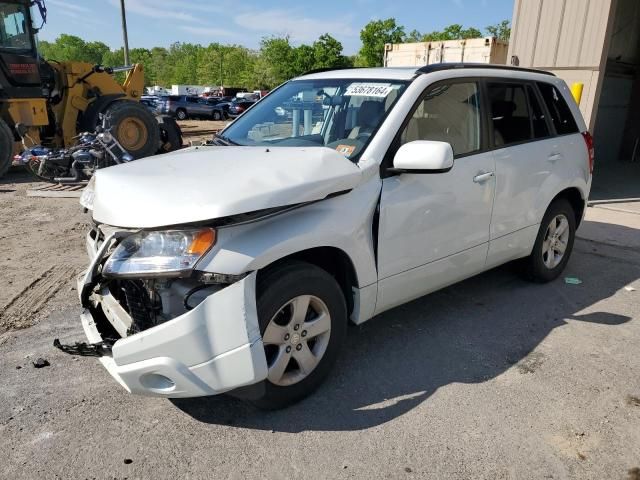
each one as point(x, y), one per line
point(576, 91)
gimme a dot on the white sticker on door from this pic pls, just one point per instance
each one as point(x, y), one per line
point(380, 90)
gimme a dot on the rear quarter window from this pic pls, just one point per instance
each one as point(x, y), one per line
point(560, 113)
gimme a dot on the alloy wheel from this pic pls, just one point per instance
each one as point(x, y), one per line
point(296, 339)
point(555, 242)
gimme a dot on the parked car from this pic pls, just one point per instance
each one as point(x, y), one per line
point(237, 266)
point(185, 106)
point(150, 101)
point(238, 106)
point(220, 108)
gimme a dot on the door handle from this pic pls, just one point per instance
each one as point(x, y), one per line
point(483, 177)
point(554, 157)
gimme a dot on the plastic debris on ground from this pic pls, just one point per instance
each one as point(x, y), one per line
point(572, 281)
point(630, 289)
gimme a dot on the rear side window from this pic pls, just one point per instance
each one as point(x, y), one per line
point(509, 113)
point(561, 115)
point(538, 120)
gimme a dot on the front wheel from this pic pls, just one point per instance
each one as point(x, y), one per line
point(181, 114)
point(217, 115)
point(6, 147)
point(303, 319)
point(133, 125)
point(554, 243)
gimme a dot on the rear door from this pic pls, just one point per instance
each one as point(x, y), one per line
point(525, 154)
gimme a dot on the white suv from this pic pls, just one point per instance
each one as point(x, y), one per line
point(237, 266)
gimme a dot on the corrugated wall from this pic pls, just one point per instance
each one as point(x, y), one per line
point(567, 37)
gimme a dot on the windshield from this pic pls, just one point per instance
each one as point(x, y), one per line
point(14, 31)
point(339, 114)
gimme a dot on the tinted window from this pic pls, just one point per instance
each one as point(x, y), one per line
point(561, 115)
point(448, 113)
point(538, 120)
point(509, 113)
point(192, 99)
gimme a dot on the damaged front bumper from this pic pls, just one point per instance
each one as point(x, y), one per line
point(213, 348)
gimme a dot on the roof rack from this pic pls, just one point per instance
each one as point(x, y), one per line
point(323, 69)
point(436, 67)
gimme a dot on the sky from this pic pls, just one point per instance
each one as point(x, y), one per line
point(161, 22)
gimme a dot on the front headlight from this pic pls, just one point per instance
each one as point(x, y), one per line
point(86, 199)
point(170, 253)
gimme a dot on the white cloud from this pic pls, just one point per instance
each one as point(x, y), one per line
point(162, 10)
point(69, 6)
point(299, 28)
point(70, 9)
point(208, 31)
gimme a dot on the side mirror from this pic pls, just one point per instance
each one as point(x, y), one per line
point(423, 156)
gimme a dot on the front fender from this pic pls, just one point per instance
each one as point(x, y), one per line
point(343, 222)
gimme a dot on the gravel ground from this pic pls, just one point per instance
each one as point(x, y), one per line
point(491, 378)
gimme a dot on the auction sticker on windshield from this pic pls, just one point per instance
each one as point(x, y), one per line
point(380, 90)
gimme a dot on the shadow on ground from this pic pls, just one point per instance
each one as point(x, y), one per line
point(468, 333)
point(15, 176)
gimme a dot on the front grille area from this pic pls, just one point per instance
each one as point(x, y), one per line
point(135, 298)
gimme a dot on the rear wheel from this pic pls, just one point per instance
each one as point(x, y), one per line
point(303, 319)
point(6, 147)
point(217, 115)
point(135, 128)
point(554, 243)
point(181, 114)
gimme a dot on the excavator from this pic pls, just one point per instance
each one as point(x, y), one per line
point(50, 103)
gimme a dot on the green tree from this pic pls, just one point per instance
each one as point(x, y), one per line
point(452, 32)
point(327, 53)
point(374, 36)
point(501, 30)
point(71, 48)
point(279, 60)
point(414, 36)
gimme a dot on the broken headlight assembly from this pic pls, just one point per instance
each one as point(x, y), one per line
point(169, 253)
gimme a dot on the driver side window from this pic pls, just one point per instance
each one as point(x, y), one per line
point(449, 112)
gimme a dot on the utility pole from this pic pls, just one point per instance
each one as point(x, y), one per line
point(221, 71)
point(124, 33)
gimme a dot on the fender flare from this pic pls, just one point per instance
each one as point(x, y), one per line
point(89, 118)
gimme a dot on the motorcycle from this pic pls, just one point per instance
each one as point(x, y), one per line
point(93, 150)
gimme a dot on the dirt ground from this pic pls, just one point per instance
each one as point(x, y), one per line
point(200, 130)
point(41, 250)
point(42, 245)
point(492, 378)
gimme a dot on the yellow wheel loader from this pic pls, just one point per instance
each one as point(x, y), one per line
point(52, 102)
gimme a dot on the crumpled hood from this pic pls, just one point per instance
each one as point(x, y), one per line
point(205, 183)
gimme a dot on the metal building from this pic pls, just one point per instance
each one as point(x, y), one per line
point(597, 43)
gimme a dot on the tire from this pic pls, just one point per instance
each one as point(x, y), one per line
point(181, 114)
point(170, 134)
point(217, 115)
point(6, 147)
point(276, 289)
point(135, 127)
point(544, 264)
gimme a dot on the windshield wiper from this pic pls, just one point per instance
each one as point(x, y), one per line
point(226, 141)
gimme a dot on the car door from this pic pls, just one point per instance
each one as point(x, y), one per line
point(434, 228)
point(526, 154)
